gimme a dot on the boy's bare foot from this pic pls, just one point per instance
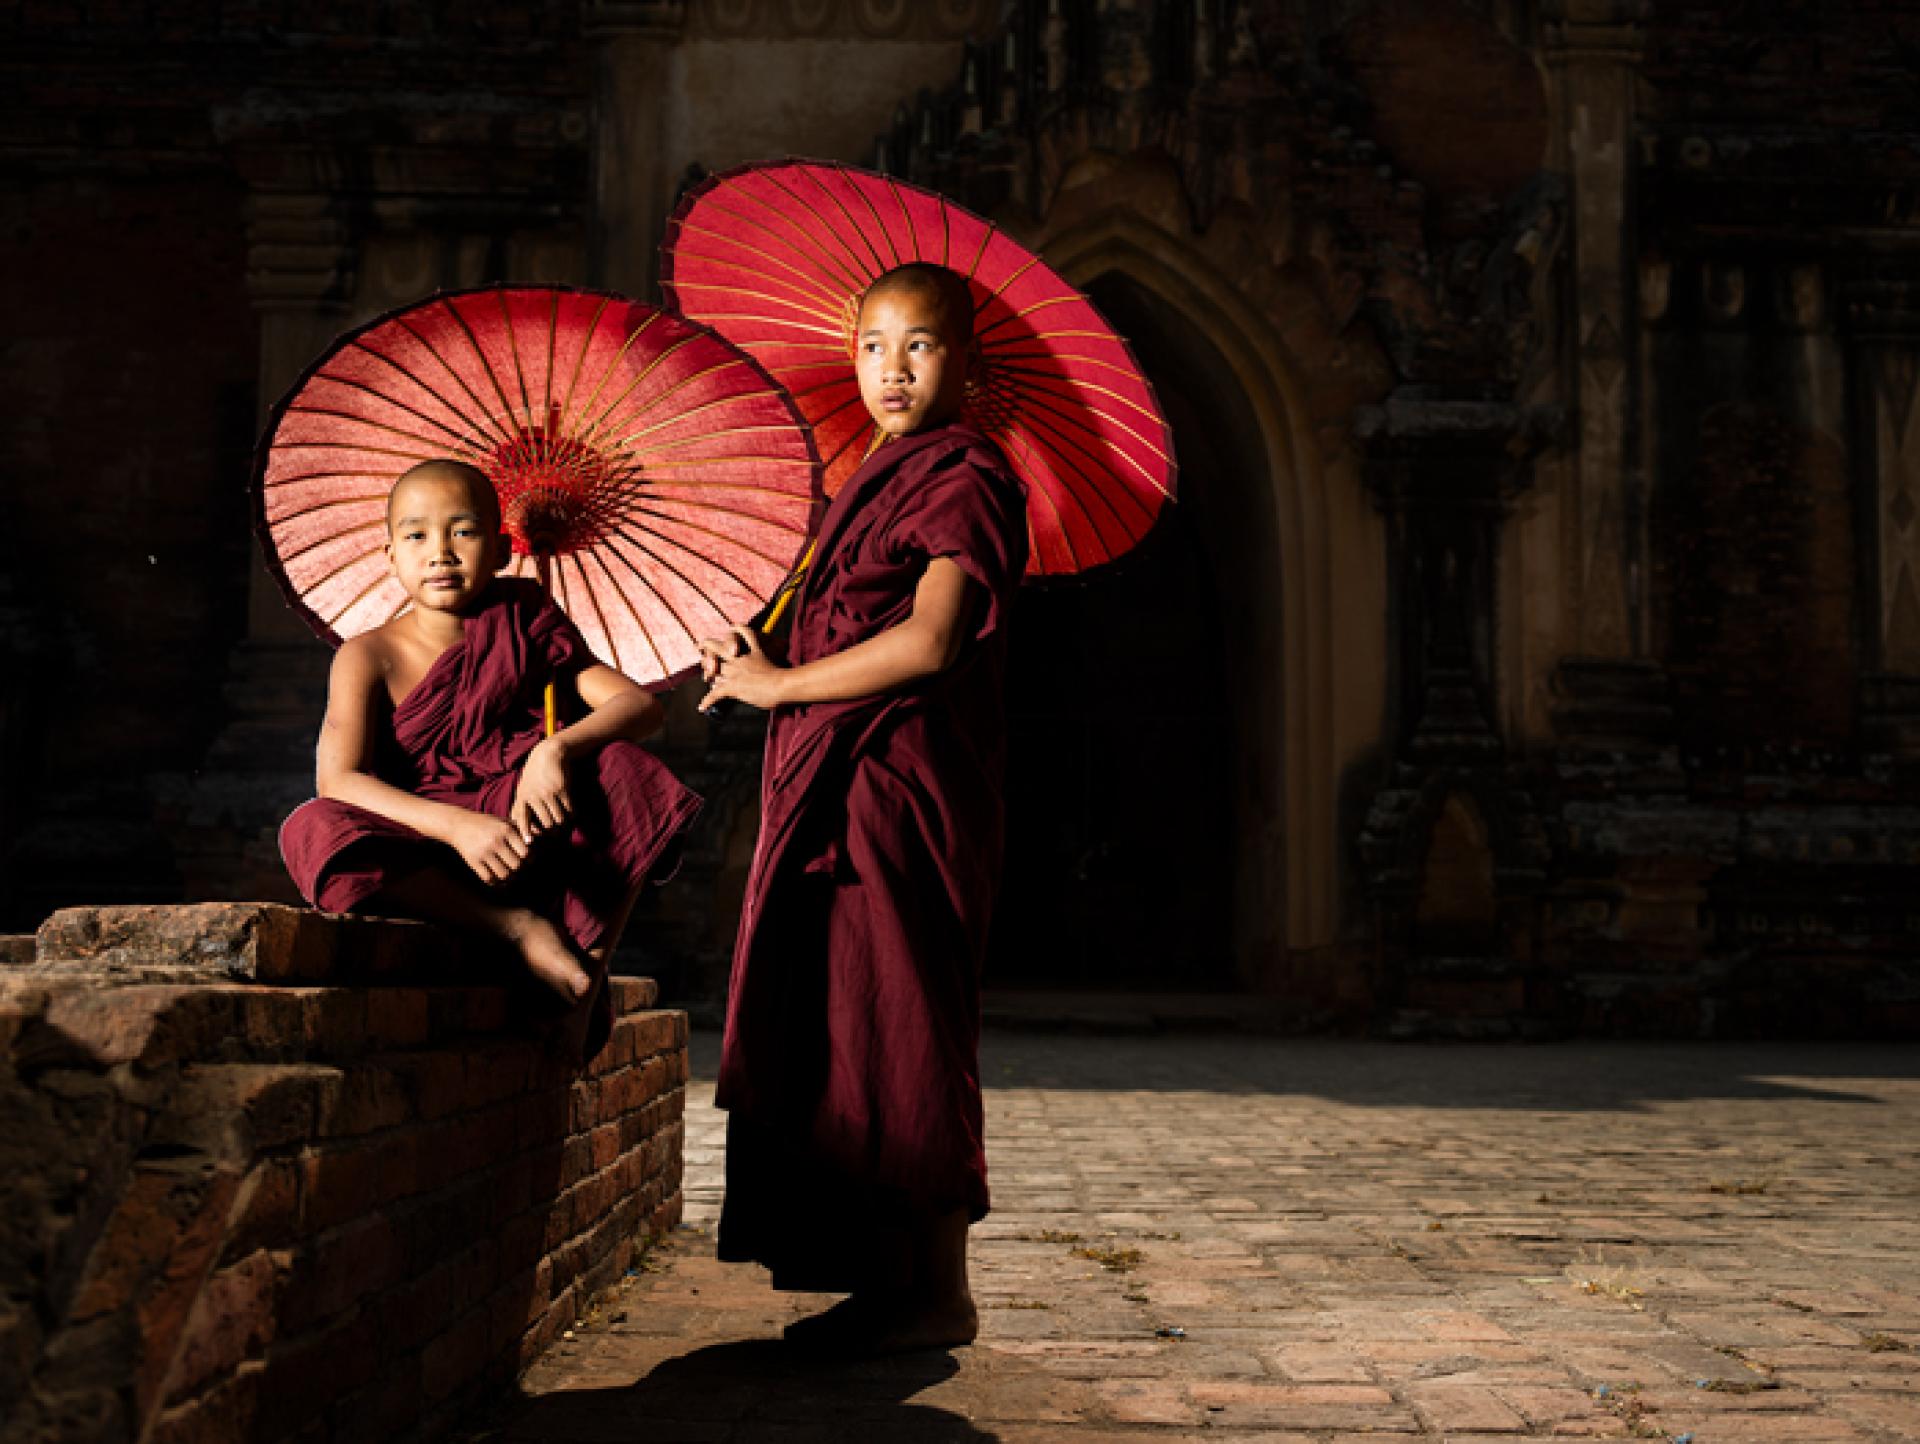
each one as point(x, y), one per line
point(547, 955)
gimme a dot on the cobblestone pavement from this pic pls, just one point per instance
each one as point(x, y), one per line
point(1229, 1238)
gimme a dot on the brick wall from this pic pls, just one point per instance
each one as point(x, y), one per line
point(235, 1204)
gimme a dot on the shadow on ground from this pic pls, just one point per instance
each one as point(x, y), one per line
point(1580, 1077)
point(752, 1390)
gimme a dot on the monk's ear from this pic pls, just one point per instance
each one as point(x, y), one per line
point(502, 550)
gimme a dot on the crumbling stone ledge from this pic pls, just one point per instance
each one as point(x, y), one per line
point(242, 1199)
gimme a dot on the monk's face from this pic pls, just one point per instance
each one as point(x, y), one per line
point(910, 360)
point(443, 538)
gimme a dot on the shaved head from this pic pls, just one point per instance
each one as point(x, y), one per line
point(941, 290)
point(480, 492)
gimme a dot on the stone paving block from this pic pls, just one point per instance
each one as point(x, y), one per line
point(1472, 1333)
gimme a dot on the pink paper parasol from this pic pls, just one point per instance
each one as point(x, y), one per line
point(775, 258)
point(653, 474)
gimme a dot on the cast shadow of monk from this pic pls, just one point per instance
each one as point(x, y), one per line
point(754, 1390)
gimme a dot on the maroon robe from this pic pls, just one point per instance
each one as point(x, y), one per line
point(460, 736)
point(850, 1067)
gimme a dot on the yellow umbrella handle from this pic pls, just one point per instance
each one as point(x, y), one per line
point(787, 589)
point(553, 712)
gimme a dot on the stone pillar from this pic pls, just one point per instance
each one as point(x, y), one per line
point(299, 275)
point(633, 176)
point(1446, 473)
point(1883, 334)
point(223, 820)
point(1593, 49)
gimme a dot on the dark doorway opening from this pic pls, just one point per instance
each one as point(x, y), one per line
point(1125, 748)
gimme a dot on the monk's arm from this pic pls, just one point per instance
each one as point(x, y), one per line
point(926, 643)
point(617, 710)
point(344, 763)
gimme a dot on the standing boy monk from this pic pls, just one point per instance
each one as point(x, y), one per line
point(850, 1068)
point(440, 798)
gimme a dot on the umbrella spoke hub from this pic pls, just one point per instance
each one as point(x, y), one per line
point(553, 490)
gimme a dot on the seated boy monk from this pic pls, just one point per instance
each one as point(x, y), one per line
point(440, 797)
point(850, 1067)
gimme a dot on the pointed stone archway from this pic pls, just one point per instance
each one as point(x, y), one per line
point(1297, 551)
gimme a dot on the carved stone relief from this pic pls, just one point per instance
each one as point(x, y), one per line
point(871, 19)
point(1897, 443)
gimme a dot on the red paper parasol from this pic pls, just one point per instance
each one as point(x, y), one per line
point(653, 473)
point(775, 257)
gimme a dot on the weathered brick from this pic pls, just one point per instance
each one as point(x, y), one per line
point(397, 1018)
point(456, 1354)
point(337, 1270)
point(336, 1184)
point(305, 1375)
point(266, 1211)
point(223, 1414)
point(231, 1322)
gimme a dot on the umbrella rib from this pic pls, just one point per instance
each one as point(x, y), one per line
point(1069, 470)
point(300, 410)
point(638, 621)
point(587, 333)
point(811, 298)
point(1032, 390)
point(364, 389)
point(640, 546)
point(513, 350)
point(669, 446)
point(485, 422)
point(827, 385)
point(646, 632)
point(466, 329)
point(986, 239)
point(846, 403)
point(1060, 526)
point(1037, 400)
point(846, 445)
point(1091, 483)
point(838, 350)
point(647, 510)
point(352, 446)
point(581, 433)
point(726, 363)
point(274, 523)
point(820, 256)
point(365, 592)
point(835, 266)
point(832, 231)
point(324, 476)
point(1006, 281)
point(553, 336)
point(486, 417)
point(880, 225)
point(733, 486)
point(1034, 376)
point(379, 525)
point(593, 600)
point(591, 430)
point(821, 316)
point(1040, 305)
point(860, 190)
point(1062, 444)
point(807, 284)
point(725, 461)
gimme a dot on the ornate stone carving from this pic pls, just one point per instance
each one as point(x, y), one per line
point(810, 19)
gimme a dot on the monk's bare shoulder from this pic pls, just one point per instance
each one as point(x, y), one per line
point(361, 664)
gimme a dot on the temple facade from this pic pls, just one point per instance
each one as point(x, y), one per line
point(1535, 646)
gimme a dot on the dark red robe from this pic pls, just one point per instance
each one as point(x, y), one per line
point(460, 736)
point(850, 1067)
